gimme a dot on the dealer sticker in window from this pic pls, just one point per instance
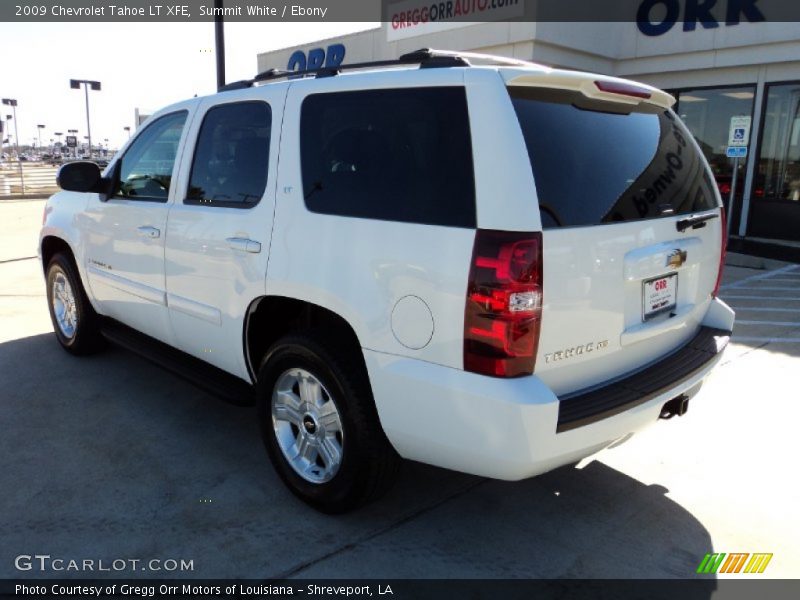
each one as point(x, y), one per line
point(659, 295)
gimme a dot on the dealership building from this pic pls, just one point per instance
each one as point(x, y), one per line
point(716, 71)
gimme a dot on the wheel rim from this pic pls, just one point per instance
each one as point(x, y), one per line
point(63, 299)
point(307, 425)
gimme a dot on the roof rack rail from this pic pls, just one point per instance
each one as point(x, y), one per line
point(475, 57)
point(426, 58)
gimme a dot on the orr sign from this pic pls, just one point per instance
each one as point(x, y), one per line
point(657, 17)
point(317, 58)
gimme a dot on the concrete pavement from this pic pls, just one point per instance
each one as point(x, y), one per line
point(110, 457)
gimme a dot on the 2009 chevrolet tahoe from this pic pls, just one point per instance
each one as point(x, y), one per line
point(473, 262)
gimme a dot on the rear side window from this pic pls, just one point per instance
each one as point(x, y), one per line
point(395, 155)
point(232, 156)
point(601, 162)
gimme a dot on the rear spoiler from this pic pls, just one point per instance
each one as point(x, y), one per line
point(596, 87)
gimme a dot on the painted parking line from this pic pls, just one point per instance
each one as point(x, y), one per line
point(788, 269)
point(793, 288)
point(762, 298)
point(765, 309)
point(10, 260)
point(777, 323)
point(769, 340)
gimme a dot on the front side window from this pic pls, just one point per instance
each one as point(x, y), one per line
point(231, 159)
point(393, 155)
point(145, 172)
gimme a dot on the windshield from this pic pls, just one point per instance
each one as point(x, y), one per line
point(601, 162)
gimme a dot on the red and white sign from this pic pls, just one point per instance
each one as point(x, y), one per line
point(421, 17)
point(659, 295)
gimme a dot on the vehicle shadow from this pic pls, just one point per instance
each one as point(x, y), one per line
point(110, 457)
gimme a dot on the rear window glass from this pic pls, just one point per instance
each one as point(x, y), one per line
point(395, 154)
point(601, 162)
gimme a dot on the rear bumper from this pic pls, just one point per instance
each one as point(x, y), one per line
point(511, 428)
point(589, 406)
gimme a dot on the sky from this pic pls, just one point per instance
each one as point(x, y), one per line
point(144, 65)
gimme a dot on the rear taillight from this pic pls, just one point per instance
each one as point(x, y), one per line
point(724, 238)
point(504, 303)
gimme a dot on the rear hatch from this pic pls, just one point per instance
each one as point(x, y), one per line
point(632, 227)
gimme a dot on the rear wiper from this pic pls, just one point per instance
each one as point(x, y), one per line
point(695, 222)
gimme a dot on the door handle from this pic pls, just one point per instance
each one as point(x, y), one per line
point(148, 232)
point(244, 245)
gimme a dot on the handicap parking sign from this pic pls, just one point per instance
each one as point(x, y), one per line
point(739, 133)
point(736, 151)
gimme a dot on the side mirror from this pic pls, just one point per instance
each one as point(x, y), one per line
point(82, 176)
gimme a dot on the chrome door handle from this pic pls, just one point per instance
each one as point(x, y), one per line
point(148, 232)
point(244, 245)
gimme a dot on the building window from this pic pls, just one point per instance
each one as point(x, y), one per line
point(775, 208)
point(707, 113)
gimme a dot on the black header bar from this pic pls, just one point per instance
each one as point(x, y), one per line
point(402, 589)
point(697, 13)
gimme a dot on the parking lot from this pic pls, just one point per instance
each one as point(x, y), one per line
point(110, 457)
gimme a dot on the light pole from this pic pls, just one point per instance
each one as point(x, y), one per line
point(128, 130)
point(7, 134)
point(219, 39)
point(75, 84)
point(74, 132)
point(13, 104)
point(40, 127)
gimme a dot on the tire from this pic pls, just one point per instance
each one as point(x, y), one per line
point(75, 322)
point(314, 398)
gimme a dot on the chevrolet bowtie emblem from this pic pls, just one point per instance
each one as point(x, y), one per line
point(676, 258)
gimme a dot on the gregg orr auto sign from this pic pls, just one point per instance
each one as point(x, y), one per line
point(420, 17)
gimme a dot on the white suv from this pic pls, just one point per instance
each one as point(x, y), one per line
point(497, 268)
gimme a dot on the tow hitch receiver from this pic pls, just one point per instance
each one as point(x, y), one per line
point(675, 407)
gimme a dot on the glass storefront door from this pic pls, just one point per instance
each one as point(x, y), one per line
point(707, 113)
point(775, 207)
